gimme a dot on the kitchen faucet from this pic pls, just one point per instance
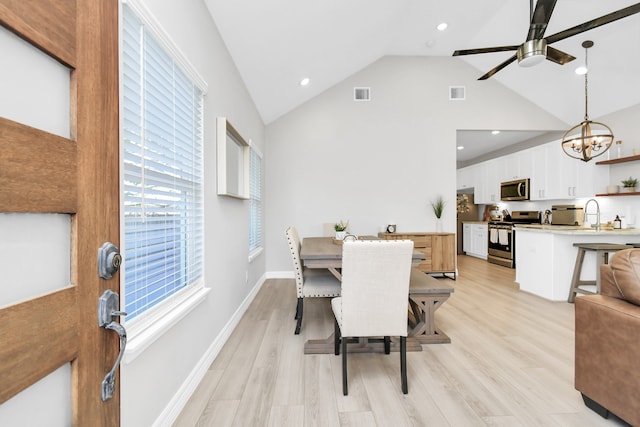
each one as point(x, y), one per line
point(597, 213)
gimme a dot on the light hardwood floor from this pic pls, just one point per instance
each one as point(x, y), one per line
point(510, 363)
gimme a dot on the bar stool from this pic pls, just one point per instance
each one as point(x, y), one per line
point(602, 257)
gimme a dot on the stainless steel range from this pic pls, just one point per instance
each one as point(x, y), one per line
point(502, 236)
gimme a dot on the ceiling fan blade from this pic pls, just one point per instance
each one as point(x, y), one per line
point(540, 19)
point(557, 56)
point(484, 50)
point(594, 23)
point(498, 68)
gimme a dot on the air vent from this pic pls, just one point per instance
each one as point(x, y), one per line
point(362, 94)
point(456, 93)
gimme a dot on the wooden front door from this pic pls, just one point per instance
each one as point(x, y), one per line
point(75, 178)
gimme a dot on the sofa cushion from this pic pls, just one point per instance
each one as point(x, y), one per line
point(625, 266)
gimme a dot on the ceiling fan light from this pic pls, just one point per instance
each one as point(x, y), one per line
point(532, 52)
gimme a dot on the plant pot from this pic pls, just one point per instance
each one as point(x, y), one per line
point(630, 189)
point(340, 235)
point(439, 225)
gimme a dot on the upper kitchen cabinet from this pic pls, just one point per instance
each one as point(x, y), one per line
point(516, 166)
point(558, 176)
point(487, 188)
point(553, 174)
point(538, 188)
point(465, 177)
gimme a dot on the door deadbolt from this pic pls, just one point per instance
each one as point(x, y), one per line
point(109, 260)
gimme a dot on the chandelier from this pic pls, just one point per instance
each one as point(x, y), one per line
point(589, 139)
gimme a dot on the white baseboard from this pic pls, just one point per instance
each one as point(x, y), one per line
point(280, 275)
point(183, 394)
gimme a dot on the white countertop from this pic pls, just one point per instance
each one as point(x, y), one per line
point(574, 229)
point(475, 222)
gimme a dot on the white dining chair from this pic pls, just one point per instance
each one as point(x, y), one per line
point(310, 282)
point(374, 297)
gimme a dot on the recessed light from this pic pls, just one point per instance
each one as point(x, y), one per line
point(442, 26)
point(581, 70)
point(495, 132)
point(304, 81)
point(460, 147)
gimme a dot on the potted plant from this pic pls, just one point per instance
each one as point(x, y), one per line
point(341, 229)
point(438, 209)
point(630, 184)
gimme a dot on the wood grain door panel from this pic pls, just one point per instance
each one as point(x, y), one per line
point(45, 173)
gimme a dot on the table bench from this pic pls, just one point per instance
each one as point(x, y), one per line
point(426, 295)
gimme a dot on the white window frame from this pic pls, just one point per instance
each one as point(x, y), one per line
point(255, 249)
point(154, 322)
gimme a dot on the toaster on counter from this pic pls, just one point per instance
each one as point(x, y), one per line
point(567, 215)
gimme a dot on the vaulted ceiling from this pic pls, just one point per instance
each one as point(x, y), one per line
point(275, 43)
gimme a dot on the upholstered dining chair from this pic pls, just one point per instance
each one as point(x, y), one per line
point(310, 283)
point(374, 297)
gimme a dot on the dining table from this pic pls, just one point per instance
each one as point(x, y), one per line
point(426, 295)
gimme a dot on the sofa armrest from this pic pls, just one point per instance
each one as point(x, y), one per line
point(607, 352)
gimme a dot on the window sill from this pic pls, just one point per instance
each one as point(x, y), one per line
point(145, 330)
point(254, 254)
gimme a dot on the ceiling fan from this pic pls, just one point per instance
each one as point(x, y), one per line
point(536, 47)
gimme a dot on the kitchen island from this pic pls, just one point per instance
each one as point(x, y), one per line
point(545, 256)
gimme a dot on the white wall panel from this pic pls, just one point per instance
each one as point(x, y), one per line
point(35, 253)
point(47, 403)
point(34, 87)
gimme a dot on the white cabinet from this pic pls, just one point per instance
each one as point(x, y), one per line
point(553, 174)
point(568, 178)
point(480, 240)
point(487, 190)
point(465, 177)
point(474, 239)
point(467, 238)
point(538, 184)
point(516, 166)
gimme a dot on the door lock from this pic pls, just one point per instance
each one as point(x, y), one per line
point(109, 260)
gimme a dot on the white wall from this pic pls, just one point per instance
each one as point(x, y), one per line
point(383, 160)
point(155, 383)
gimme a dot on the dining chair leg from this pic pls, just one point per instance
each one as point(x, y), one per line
point(336, 338)
point(403, 364)
point(299, 315)
point(345, 390)
point(387, 345)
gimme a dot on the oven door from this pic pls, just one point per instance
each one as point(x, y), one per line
point(501, 241)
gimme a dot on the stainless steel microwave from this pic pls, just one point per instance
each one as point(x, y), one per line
point(515, 190)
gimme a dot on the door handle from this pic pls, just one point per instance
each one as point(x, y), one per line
point(108, 305)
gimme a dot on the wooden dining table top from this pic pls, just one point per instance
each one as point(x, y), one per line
point(322, 252)
point(323, 248)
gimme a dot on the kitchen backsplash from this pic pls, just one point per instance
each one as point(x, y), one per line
point(627, 207)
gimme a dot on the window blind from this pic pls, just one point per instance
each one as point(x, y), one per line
point(255, 200)
point(162, 171)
